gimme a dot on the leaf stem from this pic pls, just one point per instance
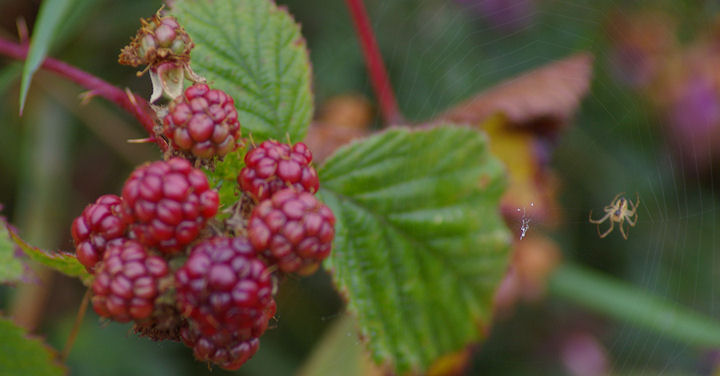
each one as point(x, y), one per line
point(132, 103)
point(620, 301)
point(374, 62)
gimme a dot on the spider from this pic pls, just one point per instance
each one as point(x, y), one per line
point(619, 211)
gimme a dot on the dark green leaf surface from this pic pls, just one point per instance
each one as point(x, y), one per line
point(254, 51)
point(50, 19)
point(62, 262)
point(420, 246)
point(11, 269)
point(21, 355)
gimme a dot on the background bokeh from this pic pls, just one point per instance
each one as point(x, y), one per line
point(650, 124)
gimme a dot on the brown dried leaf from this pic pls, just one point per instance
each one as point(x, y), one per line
point(545, 97)
point(534, 259)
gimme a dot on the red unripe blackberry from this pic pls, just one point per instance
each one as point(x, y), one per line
point(127, 282)
point(293, 230)
point(229, 350)
point(221, 348)
point(223, 286)
point(273, 166)
point(203, 122)
point(168, 204)
point(99, 224)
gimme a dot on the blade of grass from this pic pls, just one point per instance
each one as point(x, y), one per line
point(620, 301)
point(50, 17)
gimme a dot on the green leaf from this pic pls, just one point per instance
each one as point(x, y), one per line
point(63, 262)
point(21, 355)
point(420, 246)
point(50, 19)
point(254, 51)
point(11, 268)
point(224, 178)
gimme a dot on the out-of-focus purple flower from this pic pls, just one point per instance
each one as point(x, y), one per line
point(697, 110)
point(694, 119)
point(507, 15)
point(583, 355)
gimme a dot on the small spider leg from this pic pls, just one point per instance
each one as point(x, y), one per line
point(604, 234)
point(622, 230)
point(616, 197)
point(632, 219)
point(601, 220)
point(635, 205)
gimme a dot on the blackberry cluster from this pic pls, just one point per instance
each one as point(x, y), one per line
point(160, 256)
point(218, 300)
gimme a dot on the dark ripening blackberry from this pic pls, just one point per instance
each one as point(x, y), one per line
point(293, 230)
point(168, 204)
point(273, 166)
point(223, 286)
point(127, 282)
point(203, 122)
point(99, 224)
point(227, 349)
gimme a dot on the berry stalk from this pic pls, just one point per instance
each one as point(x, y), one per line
point(132, 103)
point(373, 61)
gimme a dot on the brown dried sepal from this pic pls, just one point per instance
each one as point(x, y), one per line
point(165, 323)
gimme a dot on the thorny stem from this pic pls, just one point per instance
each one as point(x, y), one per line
point(373, 61)
point(134, 104)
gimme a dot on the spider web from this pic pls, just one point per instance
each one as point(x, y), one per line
point(442, 52)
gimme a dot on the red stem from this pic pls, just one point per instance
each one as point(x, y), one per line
point(374, 62)
point(134, 104)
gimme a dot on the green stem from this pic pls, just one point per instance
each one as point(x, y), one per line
point(627, 303)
